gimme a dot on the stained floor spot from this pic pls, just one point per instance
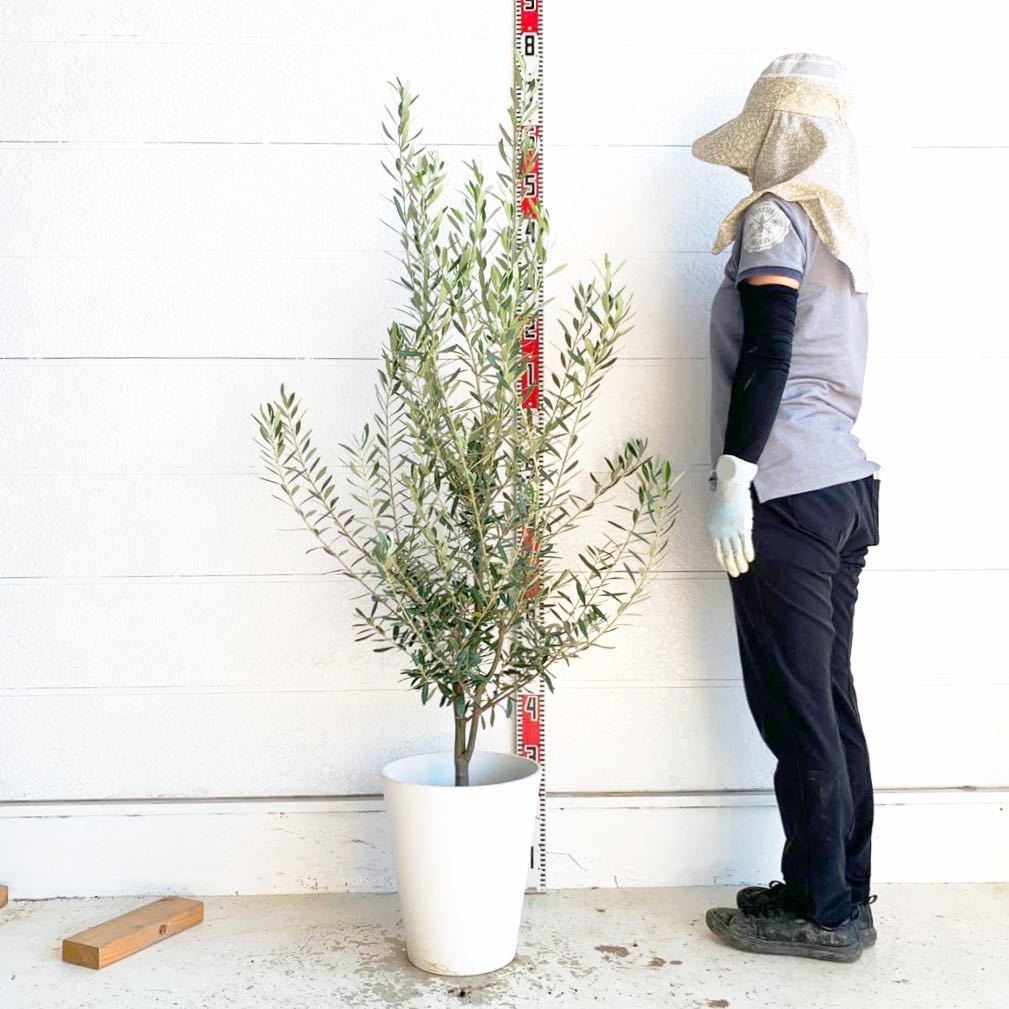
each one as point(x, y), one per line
point(615, 950)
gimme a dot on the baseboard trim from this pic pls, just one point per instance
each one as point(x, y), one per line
point(340, 843)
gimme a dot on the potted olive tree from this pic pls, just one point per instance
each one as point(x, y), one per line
point(457, 511)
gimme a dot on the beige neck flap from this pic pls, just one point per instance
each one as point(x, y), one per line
point(792, 139)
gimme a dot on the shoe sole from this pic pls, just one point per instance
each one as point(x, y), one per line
point(835, 954)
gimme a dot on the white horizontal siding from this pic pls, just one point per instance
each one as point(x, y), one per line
point(685, 840)
point(115, 525)
point(242, 630)
point(642, 24)
point(613, 737)
point(312, 200)
point(661, 738)
point(192, 199)
point(328, 305)
point(255, 666)
point(326, 91)
point(374, 25)
point(194, 416)
point(206, 743)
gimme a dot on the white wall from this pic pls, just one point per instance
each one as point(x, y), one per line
point(191, 198)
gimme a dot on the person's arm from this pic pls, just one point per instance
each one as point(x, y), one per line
point(771, 262)
point(769, 304)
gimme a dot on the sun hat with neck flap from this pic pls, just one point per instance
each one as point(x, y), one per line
point(793, 139)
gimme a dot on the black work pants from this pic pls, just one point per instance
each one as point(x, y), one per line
point(794, 612)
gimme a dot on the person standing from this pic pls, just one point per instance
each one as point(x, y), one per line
point(796, 501)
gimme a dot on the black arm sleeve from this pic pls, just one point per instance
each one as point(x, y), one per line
point(764, 360)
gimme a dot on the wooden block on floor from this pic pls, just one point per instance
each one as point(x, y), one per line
point(117, 938)
point(3, 895)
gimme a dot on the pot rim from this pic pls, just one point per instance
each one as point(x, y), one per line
point(532, 768)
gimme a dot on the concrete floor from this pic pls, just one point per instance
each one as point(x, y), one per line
point(942, 946)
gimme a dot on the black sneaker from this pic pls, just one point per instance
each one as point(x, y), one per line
point(862, 917)
point(750, 898)
point(774, 930)
point(775, 894)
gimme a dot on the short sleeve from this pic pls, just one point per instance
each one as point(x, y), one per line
point(769, 243)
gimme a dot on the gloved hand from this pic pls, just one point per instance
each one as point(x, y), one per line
point(730, 515)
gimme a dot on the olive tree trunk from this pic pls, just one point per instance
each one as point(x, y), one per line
point(465, 743)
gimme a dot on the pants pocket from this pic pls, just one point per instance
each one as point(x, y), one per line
point(826, 514)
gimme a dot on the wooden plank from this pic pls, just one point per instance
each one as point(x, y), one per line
point(129, 933)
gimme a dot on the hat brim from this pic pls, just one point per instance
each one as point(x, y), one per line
point(734, 144)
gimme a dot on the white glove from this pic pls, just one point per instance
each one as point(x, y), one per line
point(730, 515)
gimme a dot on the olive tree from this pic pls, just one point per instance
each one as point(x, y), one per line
point(455, 506)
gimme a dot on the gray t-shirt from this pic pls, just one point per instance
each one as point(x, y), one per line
point(810, 444)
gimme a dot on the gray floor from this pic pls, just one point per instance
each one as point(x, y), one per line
point(940, 946)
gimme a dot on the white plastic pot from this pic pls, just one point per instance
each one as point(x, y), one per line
point(461, 856)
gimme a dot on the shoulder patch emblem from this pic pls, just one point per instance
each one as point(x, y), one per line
point(766, 225)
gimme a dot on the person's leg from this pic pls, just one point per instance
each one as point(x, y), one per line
point(845, 595)
point(850, 725)
point(784, 620)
